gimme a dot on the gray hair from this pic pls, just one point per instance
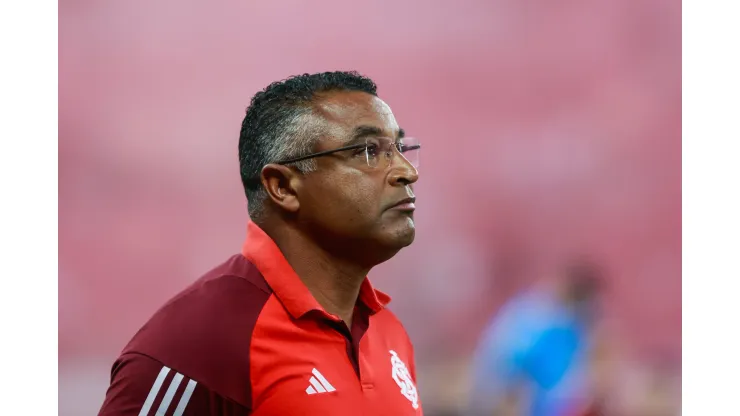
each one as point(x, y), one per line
point(293, 136)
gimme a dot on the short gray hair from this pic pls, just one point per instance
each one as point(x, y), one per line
point(292, 136)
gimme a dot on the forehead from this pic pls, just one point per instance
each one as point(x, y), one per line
point(342, 111)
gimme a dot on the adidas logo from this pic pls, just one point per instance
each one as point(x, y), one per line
point(319, 384)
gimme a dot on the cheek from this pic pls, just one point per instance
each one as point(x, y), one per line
point(350, 199)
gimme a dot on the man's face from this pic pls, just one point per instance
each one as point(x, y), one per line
point(345, 201)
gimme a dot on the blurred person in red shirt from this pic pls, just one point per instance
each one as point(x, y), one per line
point(292, 325)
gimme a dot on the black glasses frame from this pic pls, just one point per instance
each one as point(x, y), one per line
point(401, 149)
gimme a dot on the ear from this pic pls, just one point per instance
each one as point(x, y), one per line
point(281, 184)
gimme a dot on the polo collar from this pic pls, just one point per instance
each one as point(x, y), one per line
point(262, 251)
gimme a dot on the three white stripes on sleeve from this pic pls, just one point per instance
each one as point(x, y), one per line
point(318, 384)
point(169, 394)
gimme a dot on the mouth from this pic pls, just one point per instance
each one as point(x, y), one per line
point(407, 204)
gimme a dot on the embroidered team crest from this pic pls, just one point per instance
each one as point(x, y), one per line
point(403, 379)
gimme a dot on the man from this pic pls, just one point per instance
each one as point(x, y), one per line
point(534, 357)
point(292, 326)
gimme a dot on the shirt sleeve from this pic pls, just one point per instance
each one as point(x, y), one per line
point(143, 386)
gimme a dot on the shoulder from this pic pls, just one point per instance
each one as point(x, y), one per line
point(204, 332)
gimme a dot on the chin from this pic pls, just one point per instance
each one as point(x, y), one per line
point(386, 244)
point(403, 234)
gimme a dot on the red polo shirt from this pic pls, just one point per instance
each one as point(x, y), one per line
point(248, 338)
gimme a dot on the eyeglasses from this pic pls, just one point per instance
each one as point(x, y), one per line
point(376, 151)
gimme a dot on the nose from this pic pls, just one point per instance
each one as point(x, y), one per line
point(402, 172)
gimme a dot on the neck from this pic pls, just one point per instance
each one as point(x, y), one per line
point(334, 281)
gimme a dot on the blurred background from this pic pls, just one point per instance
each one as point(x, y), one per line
point(549, 129)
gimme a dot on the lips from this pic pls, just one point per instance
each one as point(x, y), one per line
point(407, 204)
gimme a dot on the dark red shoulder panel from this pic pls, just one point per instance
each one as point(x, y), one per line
point(205, 331)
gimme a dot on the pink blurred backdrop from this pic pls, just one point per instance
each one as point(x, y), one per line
point(547, 127)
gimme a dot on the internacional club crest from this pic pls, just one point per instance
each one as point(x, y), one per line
point(403, 379)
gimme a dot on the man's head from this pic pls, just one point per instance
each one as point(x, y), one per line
point(344, 199)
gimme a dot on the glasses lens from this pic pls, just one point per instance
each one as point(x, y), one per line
point(381, 149)
point(377, 148)
point(409, 148)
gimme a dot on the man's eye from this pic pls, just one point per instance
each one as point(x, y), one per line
point(372, 150)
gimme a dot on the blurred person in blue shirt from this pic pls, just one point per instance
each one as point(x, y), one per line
point(533, 358)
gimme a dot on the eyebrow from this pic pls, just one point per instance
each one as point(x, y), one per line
point(362, 132)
